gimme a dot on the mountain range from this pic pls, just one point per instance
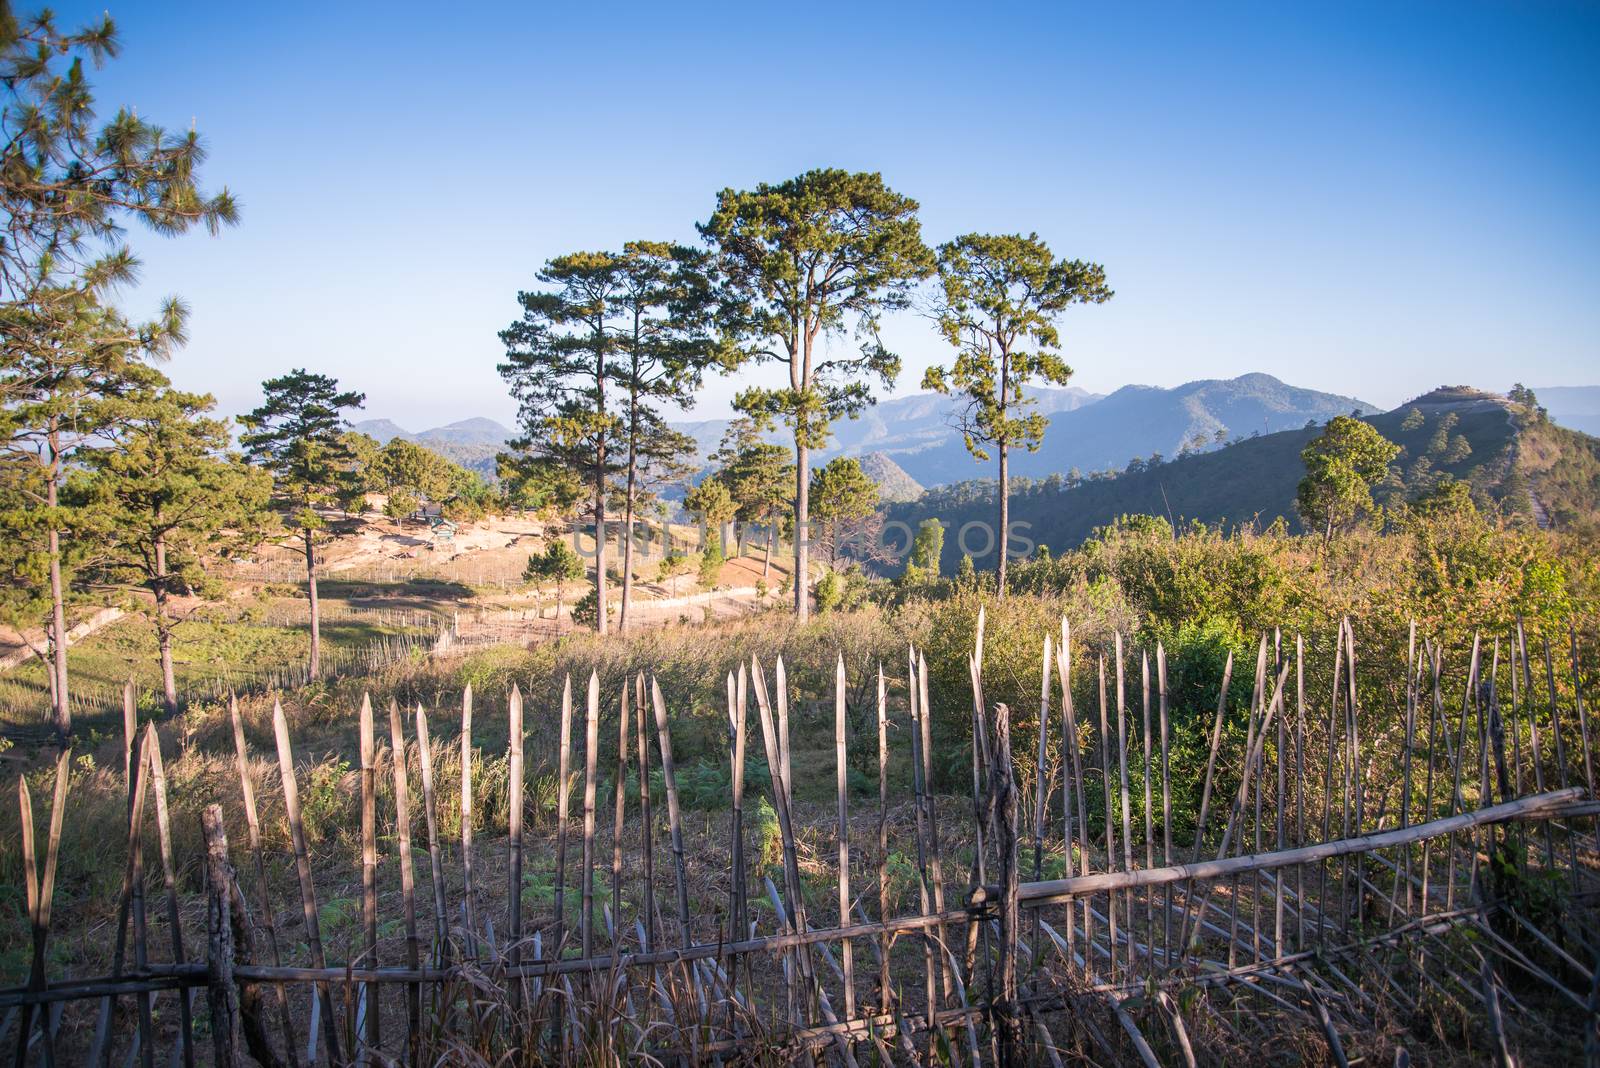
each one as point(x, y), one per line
point(1541, 470)
point(908, 443)
point(472, 443)
point(919, 435)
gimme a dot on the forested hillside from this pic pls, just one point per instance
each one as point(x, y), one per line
point(1513, 461)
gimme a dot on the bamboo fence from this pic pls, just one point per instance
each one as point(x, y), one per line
point(1390, 887)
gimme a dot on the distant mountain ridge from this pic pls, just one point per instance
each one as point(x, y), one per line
point(917, 434)
point(472, 443)
point(475, 431)
point(1538, 470)
point(1138, 421)
point(893, 427)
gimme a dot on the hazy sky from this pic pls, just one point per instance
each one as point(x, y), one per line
point(1364, 199)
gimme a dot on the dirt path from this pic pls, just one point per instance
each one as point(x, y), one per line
point(19, 649)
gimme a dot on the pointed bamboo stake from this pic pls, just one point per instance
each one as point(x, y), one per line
point(514, 797)
point(1532, 711)
point(591, 740)
point(1533, 718)
point(1040, 782)
point(1300, 785)
point(1432, 654)
point(469, 906)
point(441, 923)
point(924, 888)
point(1075, 749)
point(1583, 720)
point(1110, 840)
point(936, 853)
point(1211, 760)
point(1280, 833)
point(845, 950)
point(1457, 801)
point(47, 886)
point(741, 735)
point(40, 892)
point(308, 893)
point(369, 871)
point(669, 777)
point(1258, 721)
point(169, 879)
point(780, 794)
point(131, 897)
point(1406, 759)
point(264, 898)
point(885, 990)
point(1003, 788)
point(646, 819)
point(1358, 775)
point(408, 890)
point(1327, 785)
point(736, 812)
point(624, 721)
point(221, 994)
point(1122, 782)
point(563, 795)
point(1166, 803)
point(1149, 801)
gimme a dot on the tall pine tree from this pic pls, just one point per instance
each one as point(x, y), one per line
point(802, 263)
point(298, 435)
point(170, 499)
point(1000, 297)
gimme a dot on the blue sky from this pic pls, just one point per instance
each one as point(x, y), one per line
point(1368, 199)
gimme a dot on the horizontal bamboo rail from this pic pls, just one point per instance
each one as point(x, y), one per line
point(1554, 804)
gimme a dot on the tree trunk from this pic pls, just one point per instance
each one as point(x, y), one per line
point(772, 536)
point(627, 549)
point(58, 625)
point(311, 594)
point(169, 682)
point(1005, 522)
point(802, 513)
point(629, 503)
point(600, 545)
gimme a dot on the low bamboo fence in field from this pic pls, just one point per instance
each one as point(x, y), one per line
point(1327, 890)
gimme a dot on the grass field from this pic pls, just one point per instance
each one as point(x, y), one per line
point(240, 643)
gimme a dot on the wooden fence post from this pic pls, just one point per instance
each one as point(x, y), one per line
point(1004, 793)
point(221, 994)
point(369, 870)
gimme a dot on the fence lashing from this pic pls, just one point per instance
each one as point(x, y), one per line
point(1273, 929)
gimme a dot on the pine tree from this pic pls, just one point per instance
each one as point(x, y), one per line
point(170, 499)
point(298, 435)
point(67, 185)
point(70, 365)
point(841, 496)
point(802, 261)
point(758, 474)
point(561, 366)
point(1000, 299)
point(665, 299)
point(558, 564)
